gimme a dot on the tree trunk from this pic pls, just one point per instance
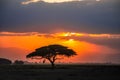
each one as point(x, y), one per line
point(53, 65)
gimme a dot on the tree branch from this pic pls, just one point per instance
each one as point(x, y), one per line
point(36, 58)
point(54, 58)
point(58, 58)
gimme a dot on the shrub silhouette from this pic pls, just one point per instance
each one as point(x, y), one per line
point(18, 62)
point(5, 61)
point(51, 53)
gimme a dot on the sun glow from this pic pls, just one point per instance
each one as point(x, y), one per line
point(65, 34)
point(71, 40)
point(73, 34)
point(68, 34)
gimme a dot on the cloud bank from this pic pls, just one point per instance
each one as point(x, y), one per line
point(82, 16)
point(48, 1)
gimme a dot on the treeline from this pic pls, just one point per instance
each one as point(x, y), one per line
point(7, 61)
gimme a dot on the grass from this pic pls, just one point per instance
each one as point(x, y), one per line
point(62, 72)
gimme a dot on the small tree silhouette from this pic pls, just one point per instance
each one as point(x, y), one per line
point(18, 62)
point(5, 61)
point(51, 53)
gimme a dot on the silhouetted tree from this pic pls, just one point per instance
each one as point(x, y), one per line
point(51, 53)
point(18, 62)
point(5, 61)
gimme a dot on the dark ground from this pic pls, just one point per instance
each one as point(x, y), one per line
point(62, 72)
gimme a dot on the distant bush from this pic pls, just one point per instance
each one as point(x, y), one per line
point(5, 61)
point(18, 62)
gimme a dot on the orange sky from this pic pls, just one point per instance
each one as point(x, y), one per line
point(30, 41)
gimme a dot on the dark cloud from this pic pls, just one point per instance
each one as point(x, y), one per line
point(109, 42)
point(85, 16)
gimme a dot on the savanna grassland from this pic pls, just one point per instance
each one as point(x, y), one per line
point(61, 72)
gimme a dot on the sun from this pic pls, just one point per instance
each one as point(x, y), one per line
point(66, 34)
point(71, 40)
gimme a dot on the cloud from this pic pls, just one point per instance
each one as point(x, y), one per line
point(48, 1)
point(52, 1)
point(30, 1)
point(25, 34)
point(109, 40)
point(98, 17)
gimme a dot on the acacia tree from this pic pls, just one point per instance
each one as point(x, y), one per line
point(51, 53)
